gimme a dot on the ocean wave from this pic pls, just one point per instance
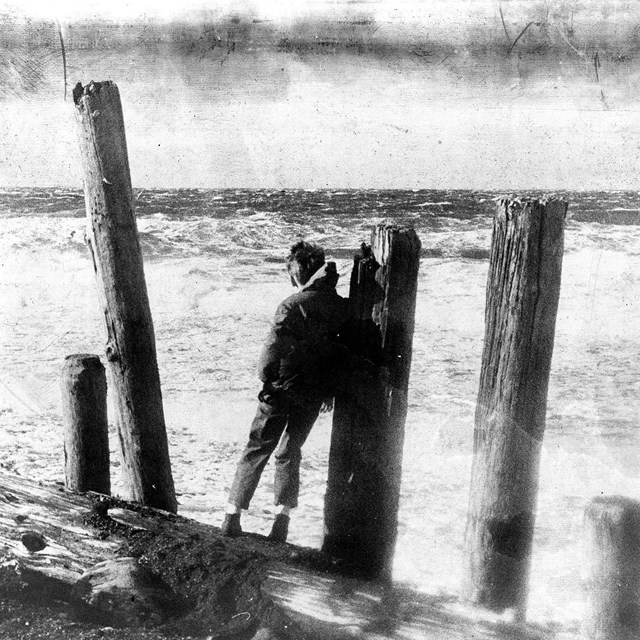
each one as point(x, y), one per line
point(190, 222)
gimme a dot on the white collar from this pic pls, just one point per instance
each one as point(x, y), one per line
point(320, 273)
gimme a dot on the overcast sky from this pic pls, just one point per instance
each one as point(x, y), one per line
point(434, 94)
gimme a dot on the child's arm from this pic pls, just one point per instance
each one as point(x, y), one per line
point(278, 344)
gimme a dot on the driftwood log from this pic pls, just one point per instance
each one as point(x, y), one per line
point(50, 537)
point(234, 587)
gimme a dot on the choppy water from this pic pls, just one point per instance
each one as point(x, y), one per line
point(214, 267)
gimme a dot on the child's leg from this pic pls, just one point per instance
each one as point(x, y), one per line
point(289, 454)
point(266, 429)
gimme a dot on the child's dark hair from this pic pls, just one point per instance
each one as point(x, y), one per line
point(304, 260)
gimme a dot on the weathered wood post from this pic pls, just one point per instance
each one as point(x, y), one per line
point(83, 385)
point(612, 527)
point(113, 241)
point(365, 460)
point(522, 301)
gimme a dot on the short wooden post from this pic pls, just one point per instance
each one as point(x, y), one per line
point(115, 249)
point(520, 316)
point(86, 431)
point(365, 460)
point(612, 527)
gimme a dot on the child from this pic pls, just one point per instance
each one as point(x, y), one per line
point(298, 367)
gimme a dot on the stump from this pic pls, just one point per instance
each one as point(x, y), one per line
point(86, 430)
point(113, 241)
point(365, 459)
point(522, 300)
point(612, 527)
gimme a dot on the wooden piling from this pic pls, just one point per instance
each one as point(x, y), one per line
point(612, 527)
point(365, 459)
point(117, 258)
point(522, 300)
point(86, 439)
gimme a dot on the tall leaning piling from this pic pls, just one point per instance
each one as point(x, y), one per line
point(365, 458)
point(112, 237)
point(523, 289)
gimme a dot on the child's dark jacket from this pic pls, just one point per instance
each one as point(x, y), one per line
point(302, 355)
